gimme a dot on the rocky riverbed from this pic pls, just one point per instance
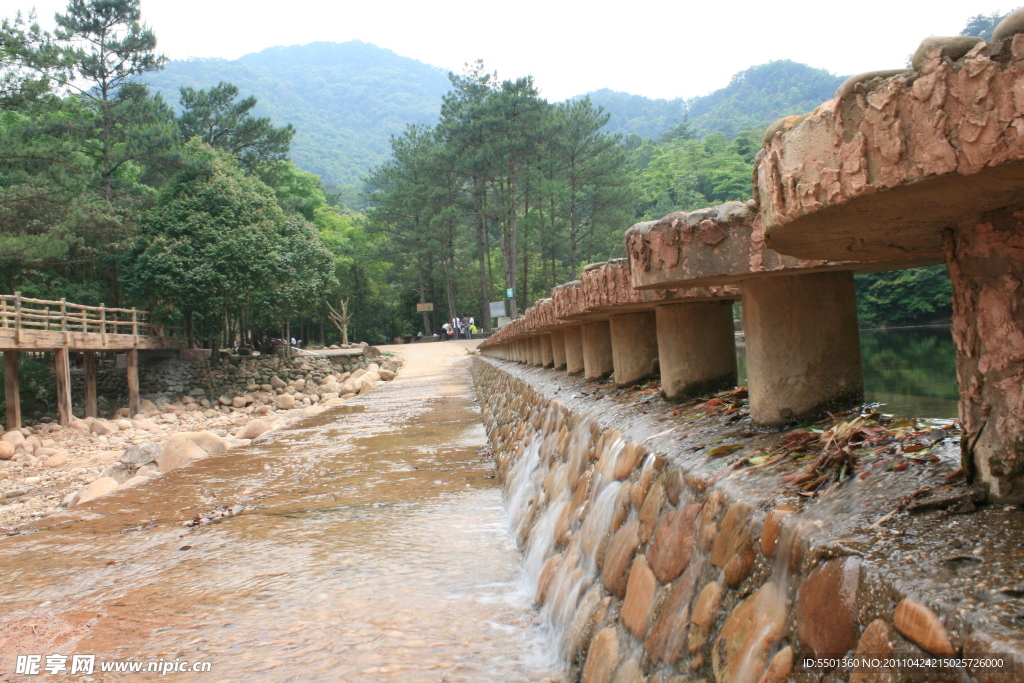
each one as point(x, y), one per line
point(46, 468)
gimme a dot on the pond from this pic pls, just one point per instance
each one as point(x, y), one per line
point(911, 370)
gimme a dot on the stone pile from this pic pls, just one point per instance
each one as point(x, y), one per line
point(46, 468)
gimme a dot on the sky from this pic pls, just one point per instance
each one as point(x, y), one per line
point(658, 49)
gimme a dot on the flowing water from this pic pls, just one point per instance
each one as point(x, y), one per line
point(910, 371)
point(374, 547)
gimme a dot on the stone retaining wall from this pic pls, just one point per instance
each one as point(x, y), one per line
point(659, 552)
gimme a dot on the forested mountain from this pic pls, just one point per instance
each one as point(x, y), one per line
point(755, 97)
point(344, 99)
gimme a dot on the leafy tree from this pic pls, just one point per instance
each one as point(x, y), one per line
point(904, 297)
point(30, 63)
point(110, 48)
point(211, 243)
point(219, 121)
point(982, 25)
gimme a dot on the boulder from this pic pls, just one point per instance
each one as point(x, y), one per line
point(78, 425)
point(357, 374)
point(56, 460)
point(123, 424)
point(147, 406)
point(372, 374)
point(133, 482)
point(6, 450)
point(253, 429)
point(276, 383)
point(100, 487)
point(179, 454)
point(386, 375)
point(299, 384)
point(103, 428)
point(210, 413)
point(285, 401)
point(238, 402)
point(141, 454)
point(262, 410)
point(122, 412)
point(144, 423)
point(224, 401)
point(366, 383)
point(15, 438)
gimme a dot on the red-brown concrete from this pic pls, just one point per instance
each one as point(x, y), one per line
point(634, 346)
point(558, 348)
point(597, 350)
point(573, 349)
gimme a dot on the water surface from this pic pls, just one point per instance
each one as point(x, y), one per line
point(911, 371)
point(375, 548)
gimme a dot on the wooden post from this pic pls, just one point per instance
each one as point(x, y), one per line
point(17, 317)
point(64, 319)
point(11, 394)
point(62, 370)
point(103, 325)
point(135, 329)
point(133, 382)
point(91, 409)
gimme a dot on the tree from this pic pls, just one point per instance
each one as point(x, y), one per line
point(110, 48)
point(211, 243)
point(982, 25)
point(30, 63)
point(219, 121)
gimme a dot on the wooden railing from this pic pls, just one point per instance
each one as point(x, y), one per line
point(23, 313)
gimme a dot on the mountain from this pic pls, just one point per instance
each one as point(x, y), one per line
point(344, 99)
point(755, 97)
point(347, 99)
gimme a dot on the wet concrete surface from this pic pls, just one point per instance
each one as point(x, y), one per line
point(369, 543)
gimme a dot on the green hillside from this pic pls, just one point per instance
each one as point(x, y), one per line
point(347, 99)
point(755, 97)
point(344, 99)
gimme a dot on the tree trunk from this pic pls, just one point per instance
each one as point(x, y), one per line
point(427, 331)
point(481, 245)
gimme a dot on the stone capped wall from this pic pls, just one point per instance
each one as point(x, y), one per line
point(658, 552)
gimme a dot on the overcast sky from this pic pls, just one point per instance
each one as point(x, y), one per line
point(658, 49)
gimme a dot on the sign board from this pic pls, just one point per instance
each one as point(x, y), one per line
point(509, 293)
point(421, 308)
point(497, 309)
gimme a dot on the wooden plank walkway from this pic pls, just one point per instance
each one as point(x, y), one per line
point(60, 327)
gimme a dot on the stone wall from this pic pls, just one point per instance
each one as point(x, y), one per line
point(663, 544)
point(171, 378)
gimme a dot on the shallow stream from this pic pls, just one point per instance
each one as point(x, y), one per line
point(374, 546)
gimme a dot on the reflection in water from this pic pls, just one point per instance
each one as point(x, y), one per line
point(378, 551)
point(912, 371)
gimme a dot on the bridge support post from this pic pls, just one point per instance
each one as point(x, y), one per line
point(12, 395)
point(803, 346)
point(557, 349)
point(573, 350)
point(133, 382)
point(91, 409)
point(534, 343)
point(696, 348)
point(62, 371)
point(547, 358)
point(597, 350)
point(634, 346)
point(983, 256)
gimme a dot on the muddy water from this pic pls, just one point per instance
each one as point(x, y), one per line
point(374, 547)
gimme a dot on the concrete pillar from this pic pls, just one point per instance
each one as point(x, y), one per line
point(803, 346)
point(696, 348)
point(986, 267)
point(597, 350)
point(534, 350)
point(521, 349)
point(547, 358)
point(573, 349)
point(557, 349)
point(62, 374)
point(12, 395)
point(634, 346)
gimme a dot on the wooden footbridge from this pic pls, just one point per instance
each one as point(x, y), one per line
point(62, 328)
